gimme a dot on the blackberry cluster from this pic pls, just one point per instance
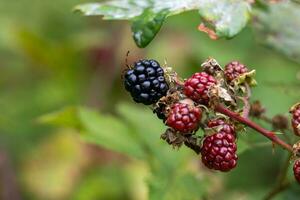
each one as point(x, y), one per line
point(234, 69)
point(296, 170)
point(184, 118)
point(181, 105)
point(296, 119)
point(197, 87)
point(219, 150)
point(146, 82)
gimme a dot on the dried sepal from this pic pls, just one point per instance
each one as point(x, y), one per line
point(294, 107)
point(173, 138)
point(247, 77)
point(218, 94)
point(210, 131)
point(172, 76)
point(211, 66)
point(296, 151)
point(176, 140)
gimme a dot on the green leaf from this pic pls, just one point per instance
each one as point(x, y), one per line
point(137, 134)
point(146, 27)
point(242, 146)
point(109, 132)
point(177, 186)
point(105, 130)
point(228, 17)
point(278, 28)
point(122, 9)
point(149, 129)
point(170, 177)
point(129, 9)
point(64, 117)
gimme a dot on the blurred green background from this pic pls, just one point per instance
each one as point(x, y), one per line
point(52, 59)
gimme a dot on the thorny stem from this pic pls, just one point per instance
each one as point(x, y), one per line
point(269, 134)
point(269, 120)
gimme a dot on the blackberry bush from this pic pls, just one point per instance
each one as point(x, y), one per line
point(187, 106)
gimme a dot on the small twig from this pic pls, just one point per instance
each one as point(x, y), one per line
point(270, 121)
point(269, 134)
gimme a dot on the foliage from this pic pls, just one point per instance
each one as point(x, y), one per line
point(136, 139)
point(277, 28)
point(148, 16)
point(53, 61)
point(226, 18)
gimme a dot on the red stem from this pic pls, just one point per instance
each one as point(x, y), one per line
point(269, 134)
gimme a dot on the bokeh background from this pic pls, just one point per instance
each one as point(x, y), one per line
point(52, 59)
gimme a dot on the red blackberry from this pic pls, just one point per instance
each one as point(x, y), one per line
point(215, 122)
point(184, 118)
point(296, 119)
point(296, 170)
point(234, 69)
point(219, 150)
point(197, 87)
point(226, 127)
point(146, 82)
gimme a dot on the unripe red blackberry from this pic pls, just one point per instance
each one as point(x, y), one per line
point(184, 118)
point(296, 119)
point(146, 82)
point(225, 127)
point(296, 170)
point(197, 87)
point(219, 150)
point(234, 69)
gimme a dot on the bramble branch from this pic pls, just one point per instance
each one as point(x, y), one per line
point(269, 134)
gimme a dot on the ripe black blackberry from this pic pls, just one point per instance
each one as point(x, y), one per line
point(146, 82)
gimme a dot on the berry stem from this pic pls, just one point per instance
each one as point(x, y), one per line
point(269, 134)
point(245, 99)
